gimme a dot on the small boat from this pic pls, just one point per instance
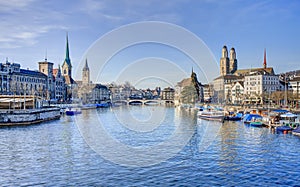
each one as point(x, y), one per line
point(234, 117)
point(256, 124)
point(88, 106)
point(248, 118)
point(73, 111)
point(103, 105)
point(284, 129)
point(211, 115)
point(296, 131)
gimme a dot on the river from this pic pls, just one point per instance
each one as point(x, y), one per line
point(146, 146)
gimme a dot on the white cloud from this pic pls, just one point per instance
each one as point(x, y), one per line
point(23, 22)
point(10, 5)
point(125, 11)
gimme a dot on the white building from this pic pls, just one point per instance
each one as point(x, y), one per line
point(222, 88)
point(237, 92)
point(294, 86)
point(258, 83)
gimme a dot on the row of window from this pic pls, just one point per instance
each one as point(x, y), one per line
point(252, 83)
point(263, 78)
point(29, 79)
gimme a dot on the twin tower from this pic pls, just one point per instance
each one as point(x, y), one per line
point(228, 65)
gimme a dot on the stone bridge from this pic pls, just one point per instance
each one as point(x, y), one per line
point(142, 102)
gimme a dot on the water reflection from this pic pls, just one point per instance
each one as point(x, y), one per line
point(207, 132)
point(186, 151)
point(126, 144)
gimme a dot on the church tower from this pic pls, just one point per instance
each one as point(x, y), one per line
point(232, 61)
point(86, 73)
point(224, 62)
point(46, 68)
point(67, 66)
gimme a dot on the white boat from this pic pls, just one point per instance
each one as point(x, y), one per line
point(88, 106)
point(211, 115)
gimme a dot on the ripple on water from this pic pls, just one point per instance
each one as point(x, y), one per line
point(55, 154)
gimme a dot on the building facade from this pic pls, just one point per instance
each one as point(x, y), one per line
point(237, 93)
point(60, 85)
point(17, 81)
point(259, 83)
point(47, 69)
point(294, 87)
point(168, 94)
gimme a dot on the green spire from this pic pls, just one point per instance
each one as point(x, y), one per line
point(67, 59)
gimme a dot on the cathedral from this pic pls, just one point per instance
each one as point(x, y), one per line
point(228, 65)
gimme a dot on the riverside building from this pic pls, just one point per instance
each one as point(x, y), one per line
point(235, 86)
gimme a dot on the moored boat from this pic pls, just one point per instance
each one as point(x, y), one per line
point(296, 131)
point(248, 118)
point(256, 124)
point(234, 116)
point(88, 106)
point(28, 116)
point(211, 115)
point(73, 111)
point(283, 129)
point(103, 105)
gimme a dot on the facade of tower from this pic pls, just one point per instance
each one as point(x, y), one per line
point(86, 73)
point(224, 62)
point(47, 68)
point(232, 61)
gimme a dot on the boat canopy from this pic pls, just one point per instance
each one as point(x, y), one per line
point(280, 111)
point(249, 117)
point(288, 115)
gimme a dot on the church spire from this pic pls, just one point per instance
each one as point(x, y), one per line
point(86, 66)
point(265, 59)
point(67, 66)
point(67, 59)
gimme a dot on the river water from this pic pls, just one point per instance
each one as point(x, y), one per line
point(146, 146)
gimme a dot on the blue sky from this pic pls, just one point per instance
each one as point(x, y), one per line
point(30, 27)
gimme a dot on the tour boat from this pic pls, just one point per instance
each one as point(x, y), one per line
point(211, 115)
point(28, 116)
